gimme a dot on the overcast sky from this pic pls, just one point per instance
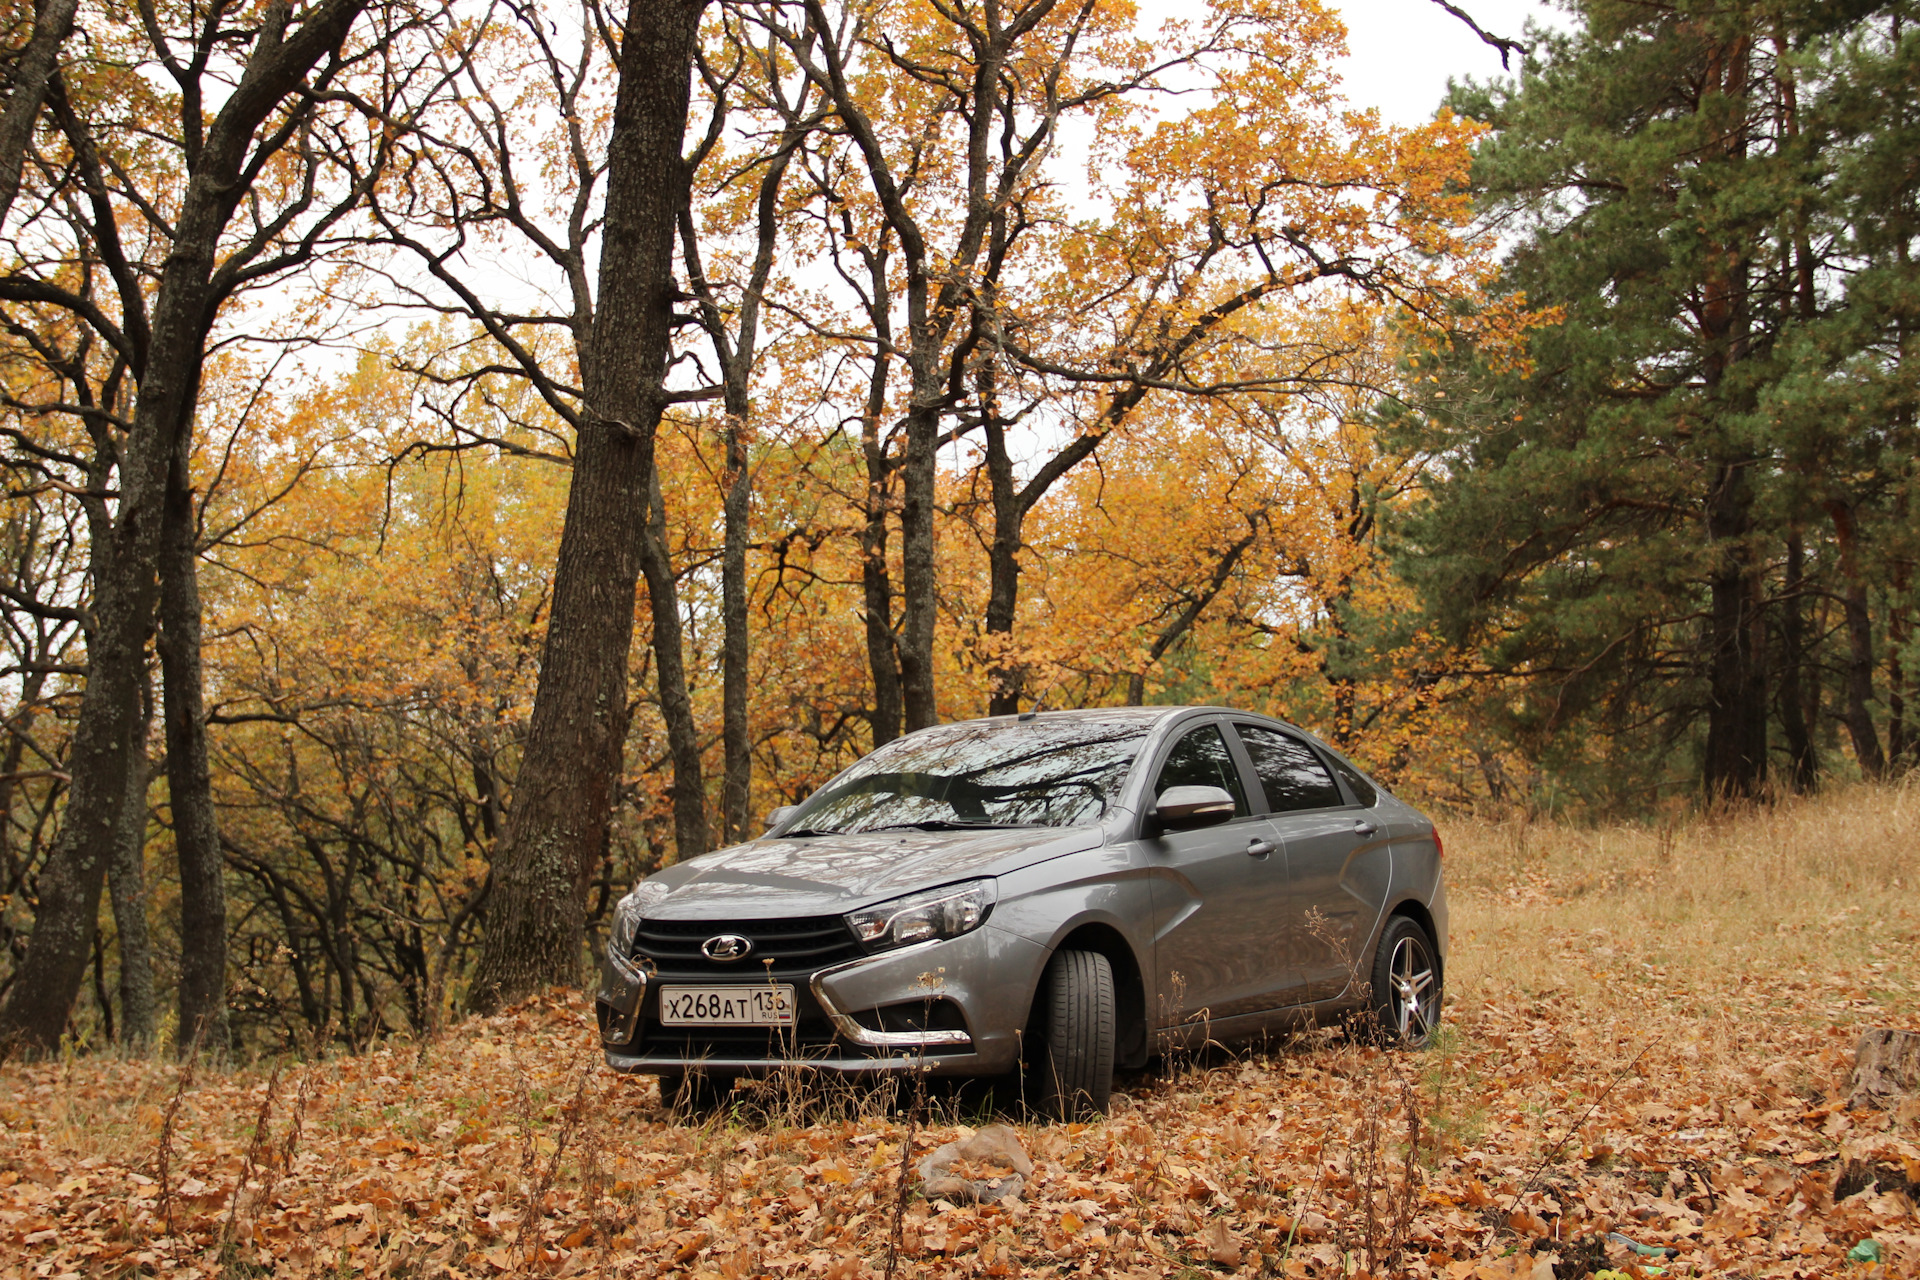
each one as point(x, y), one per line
point(1404, 51)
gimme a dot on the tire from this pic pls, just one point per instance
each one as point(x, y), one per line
point(695, 1093)
point(1070, 1067)
point(1406, 985)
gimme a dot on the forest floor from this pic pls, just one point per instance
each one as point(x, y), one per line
point(1650, 1030)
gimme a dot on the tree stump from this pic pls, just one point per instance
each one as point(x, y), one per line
point(1886, 1065)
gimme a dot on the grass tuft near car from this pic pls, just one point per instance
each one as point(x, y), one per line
point(1054, 893)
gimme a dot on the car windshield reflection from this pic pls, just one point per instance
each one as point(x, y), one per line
point(972, 776)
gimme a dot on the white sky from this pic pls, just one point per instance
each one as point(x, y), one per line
point(1402, 52)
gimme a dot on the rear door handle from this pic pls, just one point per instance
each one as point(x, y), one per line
point(1258, 848)
point(1365, 826)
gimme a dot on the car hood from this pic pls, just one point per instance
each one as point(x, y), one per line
point(824, 875)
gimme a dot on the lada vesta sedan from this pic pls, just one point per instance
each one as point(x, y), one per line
point(1054, 893)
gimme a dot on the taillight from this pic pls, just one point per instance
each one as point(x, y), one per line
point(1439, 848)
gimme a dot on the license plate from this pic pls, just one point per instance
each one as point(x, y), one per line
point(768, 1005)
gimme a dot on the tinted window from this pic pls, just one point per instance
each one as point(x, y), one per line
point(1045, 774)
point(1200, 759)
point(1290, 773)
point(1363, 791)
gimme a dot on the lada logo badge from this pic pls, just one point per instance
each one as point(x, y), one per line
point(727, 946)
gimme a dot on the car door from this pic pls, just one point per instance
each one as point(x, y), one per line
point(1323, 921)
point(1215, 890)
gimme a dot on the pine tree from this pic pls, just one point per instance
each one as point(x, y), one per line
point(1611, 519)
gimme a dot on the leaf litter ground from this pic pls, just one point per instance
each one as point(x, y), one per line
point(1646, 1036)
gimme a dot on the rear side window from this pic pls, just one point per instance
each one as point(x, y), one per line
point(1290, 773)
point(1363, 791)
point(1200, 759)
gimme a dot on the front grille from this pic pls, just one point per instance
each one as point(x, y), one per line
point(797, 948)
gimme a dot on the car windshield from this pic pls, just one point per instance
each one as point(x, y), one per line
point(1035, 774)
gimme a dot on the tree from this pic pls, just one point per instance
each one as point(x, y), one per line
point(269, 75)
point(1605, 520)
point(556, 831)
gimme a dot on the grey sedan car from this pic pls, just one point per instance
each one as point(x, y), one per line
point(1056, 893)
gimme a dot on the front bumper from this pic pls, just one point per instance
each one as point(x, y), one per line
point(851, 1014)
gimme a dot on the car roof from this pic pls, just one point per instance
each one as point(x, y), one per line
point(1109, 714)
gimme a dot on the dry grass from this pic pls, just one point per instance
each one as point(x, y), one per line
point(1647, 1029)
point(1712, 928)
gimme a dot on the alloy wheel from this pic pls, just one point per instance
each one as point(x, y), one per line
point(1411, 989)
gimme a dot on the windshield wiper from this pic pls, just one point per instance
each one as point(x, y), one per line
point(809, 831)
point(944, 824)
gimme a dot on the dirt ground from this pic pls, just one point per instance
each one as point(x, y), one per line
point(1650, 1031)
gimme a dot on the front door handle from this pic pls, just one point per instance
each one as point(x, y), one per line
point(1258, 848)
point(1365, 826)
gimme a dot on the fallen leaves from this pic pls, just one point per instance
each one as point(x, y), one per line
point(503, 1148)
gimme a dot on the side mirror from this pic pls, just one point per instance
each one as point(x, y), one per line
point(777, 816)
point(1184, 808)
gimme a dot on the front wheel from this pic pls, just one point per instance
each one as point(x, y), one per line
point(1071, 1044)
point(1406, 984)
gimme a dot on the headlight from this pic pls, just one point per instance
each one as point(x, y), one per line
point(938, 913)
point(628, 912)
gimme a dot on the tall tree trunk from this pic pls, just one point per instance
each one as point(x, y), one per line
point(1006, 676)
point(52, 24)
point(1858, 716)
point(876, 576)
point(1899, 631)
point(690, 836)
point(127, 890)
point(1793, 721)
point(736, 739)
point(1736, 755)
point(556, 828)
point(196, 834)
point(736, 356)
point(100, 761)
point(919, 597)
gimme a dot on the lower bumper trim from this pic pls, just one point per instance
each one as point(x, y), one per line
point(850, 1028)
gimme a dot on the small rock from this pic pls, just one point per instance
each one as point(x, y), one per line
point(1886, 1066)
point(996, 1145)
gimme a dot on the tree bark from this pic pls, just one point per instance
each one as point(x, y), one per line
point(876, 574)
point(919, 581)
point(1805, 760)
point(196, 833)
point(1736, 752)
point(1858, 716)
point(127, 889)
point(690, 835)
point(52, 24)
point(736, 737)
point(1006, 676)
point(1735, 766)
point(556, 829)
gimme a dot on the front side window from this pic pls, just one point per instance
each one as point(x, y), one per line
point(1290, 772)
point(1201, 759)
point(1038, 774)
